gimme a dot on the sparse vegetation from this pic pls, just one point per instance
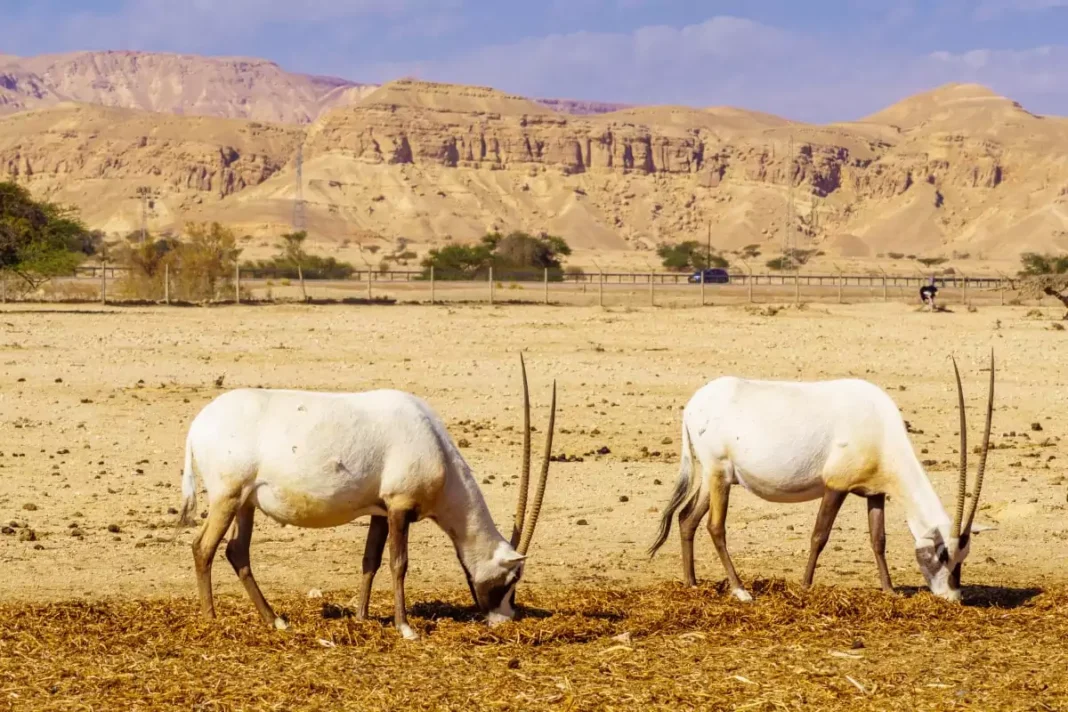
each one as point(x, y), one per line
point(201, 266)
point(294, 262)
point(511, 256)
point(1046, 274)
point(206, 260)
point(792, 259)
point(689, 255)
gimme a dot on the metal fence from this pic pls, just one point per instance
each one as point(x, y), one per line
point(117, 285)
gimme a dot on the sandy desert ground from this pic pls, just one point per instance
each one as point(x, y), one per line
point(96, 403)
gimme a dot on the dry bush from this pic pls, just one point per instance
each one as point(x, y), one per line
point(72, 290)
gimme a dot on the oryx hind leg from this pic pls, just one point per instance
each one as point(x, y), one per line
point(221, 512)
point(237, 553)
point(821, 533)
point(719, 491)
point(689, 520)
point(377, 534)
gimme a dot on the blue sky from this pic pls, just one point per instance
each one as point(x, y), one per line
point(817, 61)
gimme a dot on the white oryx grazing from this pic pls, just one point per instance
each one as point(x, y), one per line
point(312, 459)
point(798, 441)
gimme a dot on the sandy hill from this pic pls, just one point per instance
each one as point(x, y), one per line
point(954, 170)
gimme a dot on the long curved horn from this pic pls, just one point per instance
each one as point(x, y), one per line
point(524, 476)
point(539, 493)
point(967, 530)
point(962, 484)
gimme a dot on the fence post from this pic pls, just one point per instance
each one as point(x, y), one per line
point(546, 285)
point(491, 283)
point(797, 288)
point(3, 287)
point(167, 283)
point(600, 289)
point(370, 273)
point(104, 285)
point(884, 288)
point(652, 297)
point(431, 284)
point(965, 292)
point(702, 287)
point(237, 284)
point(839, 278)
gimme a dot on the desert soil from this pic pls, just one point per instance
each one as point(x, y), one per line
point(96, 402)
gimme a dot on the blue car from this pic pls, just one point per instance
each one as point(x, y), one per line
point(712, 276)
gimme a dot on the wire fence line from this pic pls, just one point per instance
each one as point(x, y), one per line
point(114, 284)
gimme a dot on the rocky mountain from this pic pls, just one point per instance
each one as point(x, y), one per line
point(225, 87)
point(955, 170)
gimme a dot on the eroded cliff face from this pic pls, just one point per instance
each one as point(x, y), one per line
point(93, 156)
point(430, 162)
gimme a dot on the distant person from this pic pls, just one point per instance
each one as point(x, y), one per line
point(928, 292)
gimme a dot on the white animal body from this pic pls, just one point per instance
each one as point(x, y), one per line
point(798, 441)
point(313, 459)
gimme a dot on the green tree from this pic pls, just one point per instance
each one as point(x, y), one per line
point(40, 240)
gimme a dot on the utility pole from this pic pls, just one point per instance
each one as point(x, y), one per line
point(709, 256)
point(299, 219)
point(788, 235)
point(144, 192)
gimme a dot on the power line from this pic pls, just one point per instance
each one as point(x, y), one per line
point(299, 219)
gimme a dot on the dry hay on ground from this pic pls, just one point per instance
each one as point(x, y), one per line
point(663, 647)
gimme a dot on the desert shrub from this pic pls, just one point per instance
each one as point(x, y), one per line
point(313, 267)
point(689, 255)
point(1046, 274)
point(513, 256)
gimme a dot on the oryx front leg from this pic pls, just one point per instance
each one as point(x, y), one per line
point(821, 533)
point(377, 534)
point(220, 514)
point(237, 553)
point(719, 497)
point(399, 520)
point(877, 529)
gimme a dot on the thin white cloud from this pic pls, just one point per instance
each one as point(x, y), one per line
point(992, 9)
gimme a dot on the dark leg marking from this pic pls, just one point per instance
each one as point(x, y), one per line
point(877, 530)
point(399, 520)
point(237, 553)
point(372, 560)
point(689, 520)
point(719, 498)
point(821, 533)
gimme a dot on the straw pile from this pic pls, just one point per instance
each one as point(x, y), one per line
point(663, 647)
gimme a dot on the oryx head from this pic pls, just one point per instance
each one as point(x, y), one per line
point(493, 581)
point(940, 558)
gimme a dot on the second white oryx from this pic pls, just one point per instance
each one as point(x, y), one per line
point(800, 441)
point(312, 459)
